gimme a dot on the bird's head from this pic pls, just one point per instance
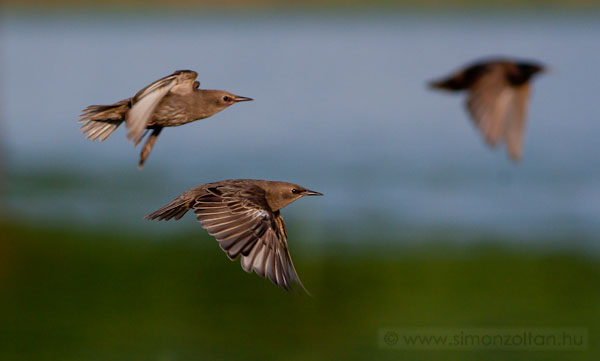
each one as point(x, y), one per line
point(281, 194)
point(220, 99)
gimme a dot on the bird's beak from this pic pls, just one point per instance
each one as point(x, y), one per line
point(311, 193)
point(241, 99)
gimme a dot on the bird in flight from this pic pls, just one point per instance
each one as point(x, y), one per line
point(244, 216)
point(498, 95)
point(168, 102)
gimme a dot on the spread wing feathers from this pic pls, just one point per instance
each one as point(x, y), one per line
point(243, 224)
point(102, 120)
point(271, 258)
point(145, 101)
point(515, 122)
point(488, 102)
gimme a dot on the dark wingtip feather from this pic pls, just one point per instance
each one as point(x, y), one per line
point(434, 84)
point(451, 84)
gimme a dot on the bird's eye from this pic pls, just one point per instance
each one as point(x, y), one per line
point(226, 98)
point(295, 191)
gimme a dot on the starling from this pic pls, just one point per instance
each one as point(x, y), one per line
point(498, 95)
point(244, 216)
point(168, 102)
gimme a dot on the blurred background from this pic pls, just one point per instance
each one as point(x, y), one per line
point(421, 224)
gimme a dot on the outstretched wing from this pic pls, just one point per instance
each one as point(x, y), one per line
point(243, 224)
point(488, 102)
point(145, 101)
point(515, 122)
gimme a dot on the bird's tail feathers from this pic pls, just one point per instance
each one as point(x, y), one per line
point(101, 120)
point(176, 209)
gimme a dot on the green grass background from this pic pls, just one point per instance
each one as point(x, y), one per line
point(72, 294)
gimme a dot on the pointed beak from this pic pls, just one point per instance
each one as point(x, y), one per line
point(311, 193)
point(241, 99)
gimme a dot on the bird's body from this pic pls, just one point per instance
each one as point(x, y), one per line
point(498, 95)
point(175, 109)
point(244, 216)
point(168, 102)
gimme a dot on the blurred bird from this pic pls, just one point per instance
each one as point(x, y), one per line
point(244, 216)
point(498, 95)
point(168, 102)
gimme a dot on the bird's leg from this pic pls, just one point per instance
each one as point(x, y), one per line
point(148, 146)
